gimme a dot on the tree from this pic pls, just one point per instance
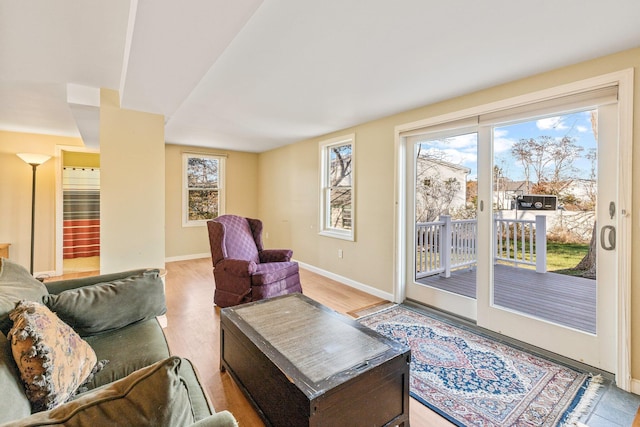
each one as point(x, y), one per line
point(550, 160)
point(588, 263)
point(340, 185)
point(202, 179)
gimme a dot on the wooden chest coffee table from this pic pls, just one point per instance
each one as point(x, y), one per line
point(302, 364)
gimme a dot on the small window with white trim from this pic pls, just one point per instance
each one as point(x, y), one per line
point(337, 213)
point(203, 188)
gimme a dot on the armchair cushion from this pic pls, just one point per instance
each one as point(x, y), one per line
point(272, 272)
point(112, 305)
point(239, 241)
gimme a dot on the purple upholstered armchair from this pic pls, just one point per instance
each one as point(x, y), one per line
point(243, 270)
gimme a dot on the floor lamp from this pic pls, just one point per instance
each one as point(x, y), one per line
point(34, 160)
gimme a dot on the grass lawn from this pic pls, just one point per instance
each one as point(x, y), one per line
point(564, 256)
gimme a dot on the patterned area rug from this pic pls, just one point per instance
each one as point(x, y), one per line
point(473, 380)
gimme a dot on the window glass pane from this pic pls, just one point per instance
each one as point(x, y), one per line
point(203, 204)
point(340, 166)
point(340, 208)
point(202, 172)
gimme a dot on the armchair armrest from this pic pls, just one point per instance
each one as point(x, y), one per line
point(237, 267)
point(276, 255)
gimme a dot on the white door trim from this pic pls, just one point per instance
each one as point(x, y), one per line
point(59, 240)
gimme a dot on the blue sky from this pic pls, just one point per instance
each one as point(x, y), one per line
point(463, 149)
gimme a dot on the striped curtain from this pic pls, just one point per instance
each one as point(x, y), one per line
point(81, 194)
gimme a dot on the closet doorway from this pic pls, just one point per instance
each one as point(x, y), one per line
point(80, 187)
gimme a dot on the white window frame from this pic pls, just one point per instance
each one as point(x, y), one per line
point(325, 228)
point(186, 222)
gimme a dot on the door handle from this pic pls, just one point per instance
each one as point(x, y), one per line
point(611, 237)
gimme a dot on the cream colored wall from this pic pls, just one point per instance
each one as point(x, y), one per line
point(241, 198)
point(132, 187)
point(81, 159)
point(15, 198)
point(290, 209)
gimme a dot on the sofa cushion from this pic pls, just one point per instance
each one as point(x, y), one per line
point(16, 284)
point(14, 403)
point(107, 306)
point(128, 349)
point(53, 360)
point(57, 286)
point(153, 396)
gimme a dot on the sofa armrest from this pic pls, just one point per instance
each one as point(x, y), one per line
point(219, 419)
point(58, 286)
point(276, 255)
point(237, 267)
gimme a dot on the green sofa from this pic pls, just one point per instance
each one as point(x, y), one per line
point(141, 384)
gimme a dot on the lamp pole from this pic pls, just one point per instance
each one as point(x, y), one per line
point(33, 213)
point(34, 160)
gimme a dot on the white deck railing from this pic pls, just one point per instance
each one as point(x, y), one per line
point(446, 245)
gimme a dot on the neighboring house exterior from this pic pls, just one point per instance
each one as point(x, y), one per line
point(440, 188)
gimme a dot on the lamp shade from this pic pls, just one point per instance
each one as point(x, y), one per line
point(34, 159)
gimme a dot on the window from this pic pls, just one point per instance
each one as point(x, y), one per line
point(337, 193)
point(203, 188)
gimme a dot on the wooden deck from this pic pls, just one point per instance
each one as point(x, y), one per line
point(558, 298)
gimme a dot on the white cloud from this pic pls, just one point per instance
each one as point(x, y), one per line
point(582, 129)
point(464, 141)
point(461, 157)
point(500, 145)
point(556, 123)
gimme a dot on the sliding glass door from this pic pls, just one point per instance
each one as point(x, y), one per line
point(512, 218)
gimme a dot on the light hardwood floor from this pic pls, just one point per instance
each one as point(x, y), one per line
point(193, 331)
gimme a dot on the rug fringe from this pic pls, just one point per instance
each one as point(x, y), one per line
point(585, 401)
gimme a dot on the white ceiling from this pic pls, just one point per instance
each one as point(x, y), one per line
point(252, 75)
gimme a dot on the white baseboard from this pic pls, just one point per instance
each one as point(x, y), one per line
point(635, 386)
point(188, 257)
point(346, 281)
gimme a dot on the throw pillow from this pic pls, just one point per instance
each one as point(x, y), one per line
point(152, 396)
point(16, 284)
point(107, 306)
point(52, 359)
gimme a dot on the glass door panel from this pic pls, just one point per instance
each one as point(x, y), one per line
point(544, 200)
point(444, 244)
point(543, 287)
